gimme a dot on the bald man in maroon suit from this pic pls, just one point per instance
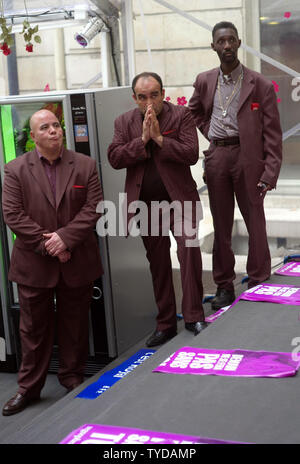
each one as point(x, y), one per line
point(156, 143)
point(49, 201)
point(236, 110)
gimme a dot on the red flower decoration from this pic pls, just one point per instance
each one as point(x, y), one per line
point(276, 86)
point(181, 101)
point(287, 14)
point(168, 99)
point(29, 47)
point(5, 48)
point(254, 106)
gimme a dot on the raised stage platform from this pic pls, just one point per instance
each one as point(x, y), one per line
point(251, 410)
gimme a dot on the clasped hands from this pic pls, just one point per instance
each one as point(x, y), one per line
point(151, 129)
point(56, 247)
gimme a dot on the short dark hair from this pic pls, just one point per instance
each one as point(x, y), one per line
point(145, 75)
point(224, 25)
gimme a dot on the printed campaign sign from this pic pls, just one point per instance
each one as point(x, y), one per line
point(109, 378)
point(217, 314)
point(237, 363)
point(289, 269)
point(220, 312)
point(282, 294)
point(92, 434)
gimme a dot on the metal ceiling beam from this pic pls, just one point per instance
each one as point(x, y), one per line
point(128, 40)
point(106, 7)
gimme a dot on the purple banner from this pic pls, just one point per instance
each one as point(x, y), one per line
point(237, 363)
point(95, 434)
point(282, 294)
point(217, 314)
point(289, 269)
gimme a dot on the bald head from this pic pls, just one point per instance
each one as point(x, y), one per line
point(41, 114)
point(47, 133)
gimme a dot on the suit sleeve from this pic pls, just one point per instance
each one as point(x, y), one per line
point(123, 153)
point(76, 231)
point(198, 111)
point(184, 149)
point(27, 230)
point(272, 137)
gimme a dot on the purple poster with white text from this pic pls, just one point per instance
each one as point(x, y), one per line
point(271, 293)
point(217, 314)
point(96, 434)
point(233, 363)
point(289, 269)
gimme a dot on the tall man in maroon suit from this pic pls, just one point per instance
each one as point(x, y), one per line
point(157, 142)
point(49, 201)
point(236, 110)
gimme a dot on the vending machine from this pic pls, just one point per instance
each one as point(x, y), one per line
point(8, 361)
point(123, 306)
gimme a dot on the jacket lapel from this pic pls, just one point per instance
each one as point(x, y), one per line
point(39, 174)
point(247, 87)
point(135, 124)
point(212, 80)
point(164, 118)
point(63, 174)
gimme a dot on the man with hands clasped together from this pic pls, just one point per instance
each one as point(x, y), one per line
point(156, 143)
point(49, 201)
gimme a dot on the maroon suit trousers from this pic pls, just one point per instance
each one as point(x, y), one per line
point(225, 178)
point(158, 255)
point(37, 328)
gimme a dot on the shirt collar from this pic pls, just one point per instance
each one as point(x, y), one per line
point(43, 158)
point(233, 76)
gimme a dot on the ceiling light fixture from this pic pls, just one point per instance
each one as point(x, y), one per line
point(92, 28)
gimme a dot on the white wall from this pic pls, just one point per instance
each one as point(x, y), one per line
point(180, 50)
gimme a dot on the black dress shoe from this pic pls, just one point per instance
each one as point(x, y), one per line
point(158, 338)
point(74, 385)
point(17, 403)
point(196, 327)
point(223, 298)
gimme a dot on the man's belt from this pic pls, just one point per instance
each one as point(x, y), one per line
point(228, 141)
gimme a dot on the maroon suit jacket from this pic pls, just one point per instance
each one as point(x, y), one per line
point(29, 210)
point(173, 160)
point(259, 129)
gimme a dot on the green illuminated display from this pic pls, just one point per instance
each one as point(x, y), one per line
point(7, 133)
point(15, 128)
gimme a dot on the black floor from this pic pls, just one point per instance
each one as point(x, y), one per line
point(251, 410)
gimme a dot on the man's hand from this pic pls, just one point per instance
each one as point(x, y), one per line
point(64, 256)
point(264, 187)
point(155, 133)
point(146, 126)
point(54, 245)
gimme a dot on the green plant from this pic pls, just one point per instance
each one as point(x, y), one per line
point(29, 33)
point(6, 37)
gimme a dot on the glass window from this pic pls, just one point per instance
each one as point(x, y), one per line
point(15, 130)
point(280, 40)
